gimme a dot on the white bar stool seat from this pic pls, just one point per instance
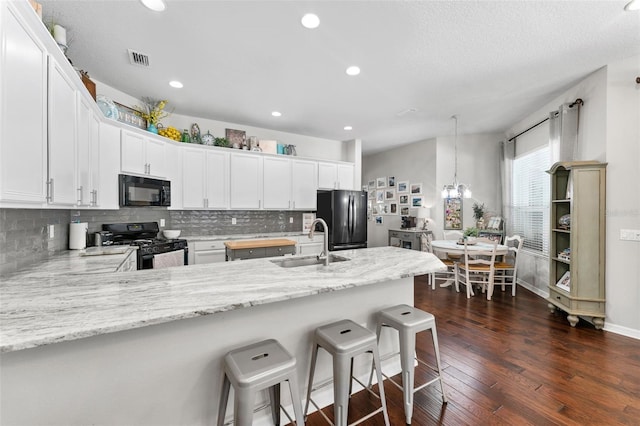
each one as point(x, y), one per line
point(409, 321)
point(253, 368)
point(344, 340)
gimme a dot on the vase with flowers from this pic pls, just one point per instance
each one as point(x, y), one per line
point(153, 111)
point(478, 215)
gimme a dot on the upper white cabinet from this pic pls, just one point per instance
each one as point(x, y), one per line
point(143, 155)
point(62, 137)
point(335, 175)
point(107, 196)
point(23, 112)
point(88, 150)
point(246, 181)
point(205, 179)
point(304, 184)
point(276, 183)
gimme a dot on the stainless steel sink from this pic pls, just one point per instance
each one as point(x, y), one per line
point(294, 262)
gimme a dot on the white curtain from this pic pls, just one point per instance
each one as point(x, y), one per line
point(507, 154)
point(563, 133)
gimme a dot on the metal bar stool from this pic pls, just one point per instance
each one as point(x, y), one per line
point(260, 366)
point(344, 340)
point(409, 321)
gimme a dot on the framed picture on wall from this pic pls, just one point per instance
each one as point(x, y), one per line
point(390, 194)
point(403, 186)
point(371, 194)
point(380, 195)
point(416, 188)
point(379, 220)
point(372, 184)
point(393, 208)
point(381, 182)
point(391, 181)
point(417, 201)
point(453, 213)
point(404, 199)
point(404, 211)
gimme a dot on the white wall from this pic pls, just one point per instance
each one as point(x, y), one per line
point(306, 146)
point(623, 196)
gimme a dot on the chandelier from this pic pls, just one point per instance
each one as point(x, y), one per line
point(456, 189)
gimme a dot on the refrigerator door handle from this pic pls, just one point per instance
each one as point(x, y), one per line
point(352, 206)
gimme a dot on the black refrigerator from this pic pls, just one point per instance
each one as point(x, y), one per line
point(346, 214)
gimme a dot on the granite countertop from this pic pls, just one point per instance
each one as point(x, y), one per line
point(93, 260)
point(49, 307)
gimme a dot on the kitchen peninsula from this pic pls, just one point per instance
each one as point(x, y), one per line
point(145, 347)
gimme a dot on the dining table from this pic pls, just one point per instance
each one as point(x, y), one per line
point(454, 248)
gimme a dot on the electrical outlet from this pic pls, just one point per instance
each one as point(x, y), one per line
point(290, 220)
point(161, 222)
point(630, 234)
point(233, 221)
point(52, 232)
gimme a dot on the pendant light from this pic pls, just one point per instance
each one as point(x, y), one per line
point(455, 189)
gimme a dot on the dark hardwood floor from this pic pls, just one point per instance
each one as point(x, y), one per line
point(510, 361)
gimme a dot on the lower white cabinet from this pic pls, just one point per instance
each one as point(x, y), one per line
point(208, 252)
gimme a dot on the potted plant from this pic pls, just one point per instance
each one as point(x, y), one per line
point(478, 214)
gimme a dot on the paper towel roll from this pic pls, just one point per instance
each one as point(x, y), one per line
point(78, 235)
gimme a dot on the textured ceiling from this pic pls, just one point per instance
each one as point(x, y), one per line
point(489, 62)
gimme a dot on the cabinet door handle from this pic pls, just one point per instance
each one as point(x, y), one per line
point(49, 196)
point(149, 169)
point(259, 204)
point(80, 195)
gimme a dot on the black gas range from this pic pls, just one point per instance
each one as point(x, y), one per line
point(144, 235)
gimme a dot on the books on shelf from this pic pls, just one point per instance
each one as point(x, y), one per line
point(565, 254)
point(565, 281)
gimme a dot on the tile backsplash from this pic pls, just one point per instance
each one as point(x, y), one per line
point(24, 233)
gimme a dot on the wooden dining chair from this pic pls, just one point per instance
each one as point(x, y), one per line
point(477, 269)
point(455, 236)
point(506, 270)
point(425, 245)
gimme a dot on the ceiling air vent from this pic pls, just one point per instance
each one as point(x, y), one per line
point(137, 58)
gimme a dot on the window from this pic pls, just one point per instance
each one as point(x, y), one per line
point(530, 198)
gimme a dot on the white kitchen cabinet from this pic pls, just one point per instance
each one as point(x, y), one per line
point(62, 137)
point(143, 155)
point(94, 138)
point(23, 112)
point(304, 184)
point(335, 175)
point(107, 196)
point(208, 252)
point(174, 174)
point(87, 145)
point(205, 179)
point(246, 181)
point(276, 183)
point(310, 247)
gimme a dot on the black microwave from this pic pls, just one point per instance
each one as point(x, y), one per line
point(136, 191)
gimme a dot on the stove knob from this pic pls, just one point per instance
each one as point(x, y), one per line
point(156, 249)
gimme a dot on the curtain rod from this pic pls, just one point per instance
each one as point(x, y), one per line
point(578, 102)
point(532, 127)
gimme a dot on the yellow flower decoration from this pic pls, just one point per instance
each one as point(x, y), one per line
point(152, 110)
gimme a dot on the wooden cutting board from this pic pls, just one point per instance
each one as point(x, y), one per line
point(249, 244)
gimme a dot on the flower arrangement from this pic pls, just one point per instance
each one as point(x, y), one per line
point(152, 110)
point(471, 232)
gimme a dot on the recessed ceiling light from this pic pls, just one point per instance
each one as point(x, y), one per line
point(276, 113)
point(176, 84)
point(348, 128)
point(310, 20)
point(155, 5)
point(632, 5)
point(353, 70)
